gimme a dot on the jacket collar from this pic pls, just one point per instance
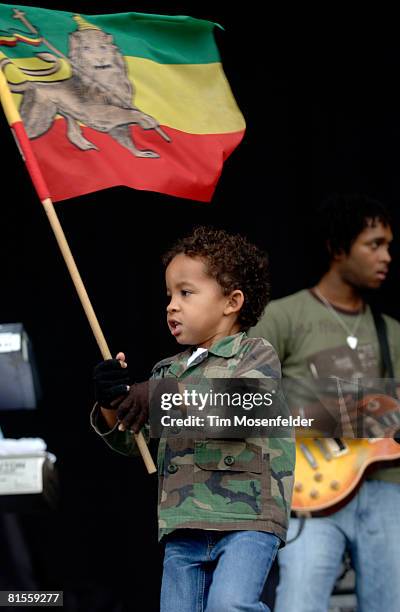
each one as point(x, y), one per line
point(226, 347)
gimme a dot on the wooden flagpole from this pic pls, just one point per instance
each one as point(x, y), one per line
point(40, 185)
point(88, 308)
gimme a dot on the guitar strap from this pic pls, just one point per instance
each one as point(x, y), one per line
point(380, 326)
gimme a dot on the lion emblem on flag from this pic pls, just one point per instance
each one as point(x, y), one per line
point(98, 94)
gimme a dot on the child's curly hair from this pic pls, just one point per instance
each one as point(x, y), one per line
point(234, 262)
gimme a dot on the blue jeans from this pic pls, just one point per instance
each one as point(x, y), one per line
point(216, 571)
point(369, 527)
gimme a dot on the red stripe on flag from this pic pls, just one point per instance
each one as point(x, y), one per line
point(25, 147)
point(36, 42)
point(8, 43)
point(188, 167)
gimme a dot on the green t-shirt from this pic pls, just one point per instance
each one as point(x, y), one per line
point(311, 343)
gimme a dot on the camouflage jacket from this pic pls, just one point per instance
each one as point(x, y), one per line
point(198, 487)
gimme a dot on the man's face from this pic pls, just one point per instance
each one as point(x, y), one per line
point(367, 263)
point(195, 313)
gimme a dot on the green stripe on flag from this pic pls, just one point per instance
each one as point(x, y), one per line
point(161, 38)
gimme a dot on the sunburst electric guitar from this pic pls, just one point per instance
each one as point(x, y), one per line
point(329, 469)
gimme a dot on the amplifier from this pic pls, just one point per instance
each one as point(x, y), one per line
point(19, 383)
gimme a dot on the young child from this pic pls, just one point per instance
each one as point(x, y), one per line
point(223, 504)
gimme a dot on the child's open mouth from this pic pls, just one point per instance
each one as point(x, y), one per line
point(175, 327)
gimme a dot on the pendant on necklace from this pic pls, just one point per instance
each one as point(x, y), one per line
point(352, 341)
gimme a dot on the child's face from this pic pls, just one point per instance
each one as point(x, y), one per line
point(197, 312)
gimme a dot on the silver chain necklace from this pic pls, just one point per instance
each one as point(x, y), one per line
point(351, 339)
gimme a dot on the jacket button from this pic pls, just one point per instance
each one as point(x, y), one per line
point(229, 460)
point(172, 468)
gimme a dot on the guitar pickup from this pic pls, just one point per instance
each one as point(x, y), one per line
point(309, 456)
point(321, 445)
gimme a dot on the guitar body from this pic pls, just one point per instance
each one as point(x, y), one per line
point(328, 469)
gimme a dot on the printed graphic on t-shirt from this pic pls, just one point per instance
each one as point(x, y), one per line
point(345, 363)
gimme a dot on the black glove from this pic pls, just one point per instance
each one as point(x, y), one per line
point(111, 381)
point(133, 411)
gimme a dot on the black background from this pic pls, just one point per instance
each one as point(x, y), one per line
point(321, 99)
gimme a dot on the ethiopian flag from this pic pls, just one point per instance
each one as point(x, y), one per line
point(129, 99)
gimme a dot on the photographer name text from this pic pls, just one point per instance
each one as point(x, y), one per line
point(235, 421)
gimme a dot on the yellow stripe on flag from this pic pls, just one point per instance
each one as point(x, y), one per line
point(192, 98)
point(34, 63)
point(7, 101)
